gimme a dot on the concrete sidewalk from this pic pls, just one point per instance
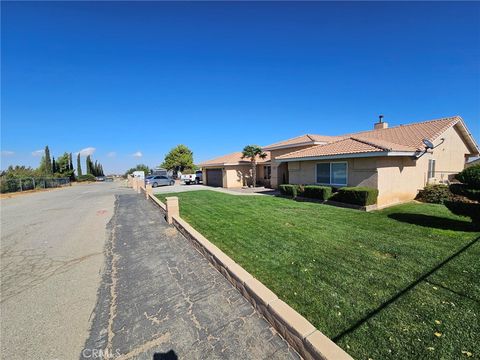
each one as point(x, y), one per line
point(159, 294)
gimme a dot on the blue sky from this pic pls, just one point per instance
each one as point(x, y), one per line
point(132, 79)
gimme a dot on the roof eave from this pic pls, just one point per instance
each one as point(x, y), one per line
point(475, 150)
point(278, 147)
point(349, 156)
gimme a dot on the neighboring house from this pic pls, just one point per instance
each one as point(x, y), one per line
point(393, 160)
point(473, 162)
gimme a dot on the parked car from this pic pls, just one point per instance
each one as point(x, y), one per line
point(159, 180)
point(100, 178)
point(192, 178)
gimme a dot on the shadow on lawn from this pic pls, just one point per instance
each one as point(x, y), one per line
point(434, 222)
point(409, 287)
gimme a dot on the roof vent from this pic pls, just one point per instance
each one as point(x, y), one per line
point(380, 124)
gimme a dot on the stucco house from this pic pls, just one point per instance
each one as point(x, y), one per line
point(398, 161)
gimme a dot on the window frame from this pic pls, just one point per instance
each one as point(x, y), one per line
point(330, 166)
point(431, 169)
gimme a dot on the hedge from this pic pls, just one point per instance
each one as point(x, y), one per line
point(435, 194)
point(87, 177)
point(465, 190)
point(356, 195)
point(289, 190)
point(470, 176)
point(317, 192)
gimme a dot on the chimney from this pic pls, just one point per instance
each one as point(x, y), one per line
point(380, 124)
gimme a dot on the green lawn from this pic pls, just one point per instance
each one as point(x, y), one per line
point(367, 280)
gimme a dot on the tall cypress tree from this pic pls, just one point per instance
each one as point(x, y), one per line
point(89, 165)
point(70, 162)
point(79, 166)
point(48, 161)
point(54, 166)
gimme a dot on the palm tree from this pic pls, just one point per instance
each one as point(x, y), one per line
point(252, 152)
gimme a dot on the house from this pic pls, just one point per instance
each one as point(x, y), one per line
point(231, 171)
point(474, 162)
point(398, 161)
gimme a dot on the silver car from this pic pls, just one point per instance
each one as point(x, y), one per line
point(159, 180)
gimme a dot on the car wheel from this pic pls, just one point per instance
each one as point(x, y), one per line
point(154, 184)
point(197, 181)
point(172, 183)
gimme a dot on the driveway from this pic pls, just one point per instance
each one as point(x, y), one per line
point(51, 257)
point(160, 296)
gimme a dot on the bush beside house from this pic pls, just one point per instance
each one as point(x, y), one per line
point(317, 192)
point(466, 202)
point(289, 190)
point(435, 194)
point(361, 196)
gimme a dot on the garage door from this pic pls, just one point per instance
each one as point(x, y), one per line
point(214, 177)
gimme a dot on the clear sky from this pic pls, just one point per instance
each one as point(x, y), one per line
point(132, 80)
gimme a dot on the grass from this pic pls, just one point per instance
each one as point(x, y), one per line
point(397, 283)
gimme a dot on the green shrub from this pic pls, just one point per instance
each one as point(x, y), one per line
point(87, 177)
point(356, 195)
point(435, 194)
point(470, 176)
point(464, 190)
point(317, 192)
point(462, 208)
point(290, 190)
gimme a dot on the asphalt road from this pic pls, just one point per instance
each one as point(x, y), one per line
point(94, 272)
point(51, 261)
point(159, 296)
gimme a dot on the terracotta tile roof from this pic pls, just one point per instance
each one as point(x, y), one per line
point(233, 159)
point(344, 146)
point(403, 138)
point(410, 135)
point(303, 139)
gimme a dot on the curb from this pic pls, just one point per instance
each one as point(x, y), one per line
point(309, 342)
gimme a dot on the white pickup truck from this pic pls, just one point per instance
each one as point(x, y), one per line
point(192, 178)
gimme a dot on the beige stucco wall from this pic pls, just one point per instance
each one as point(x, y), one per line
point(451, 155)
point(361, 171)
point(280, 170)
point(237, 176)
point(400, 179)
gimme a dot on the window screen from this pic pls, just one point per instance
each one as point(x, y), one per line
point(323, 173)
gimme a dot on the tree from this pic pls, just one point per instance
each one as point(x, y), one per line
point(139, 167)
point(179, 158)
point(252, 152)
point(63, 164)
point(89, 165)
point(79, 165)
point(54, 166)
point(70, 167)
point(46, 163)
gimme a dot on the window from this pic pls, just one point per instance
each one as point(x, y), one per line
point(334, 173)
point(267, 172)
point(431, 169)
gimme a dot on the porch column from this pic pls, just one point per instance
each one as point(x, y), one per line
point(274, 180)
